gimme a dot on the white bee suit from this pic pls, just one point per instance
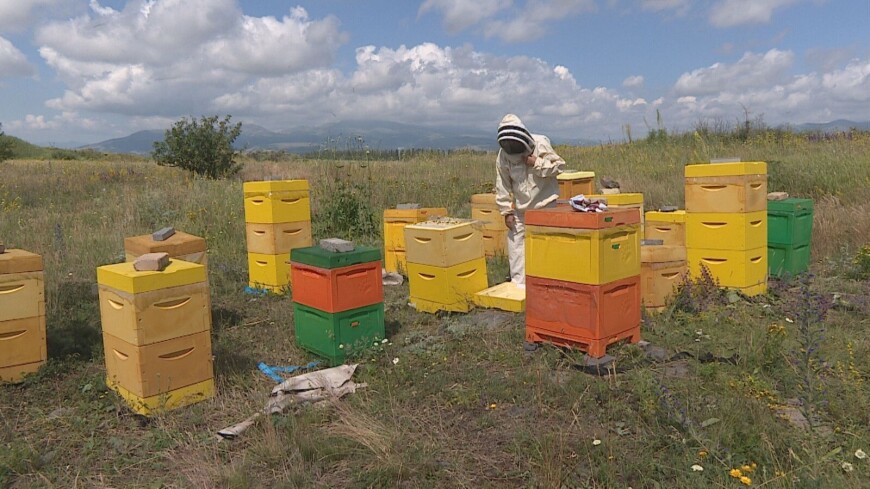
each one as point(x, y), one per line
point(520, 187)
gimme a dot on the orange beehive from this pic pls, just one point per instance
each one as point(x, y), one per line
point(566, 217)
point(585, 314)
point(337, 289)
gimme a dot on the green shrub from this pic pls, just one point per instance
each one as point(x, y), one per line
point(5, 146)
point(204, 147)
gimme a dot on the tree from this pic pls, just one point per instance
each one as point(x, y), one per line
point(204, 147)
point(5, 146)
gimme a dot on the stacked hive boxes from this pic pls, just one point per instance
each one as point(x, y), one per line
point(395, 221)
point(623, 201)
point(157, 334)
point(494, 232)
point(789, 233)
point(582, 278)
point(180, 245)
point(576, 183)
point(726, 223)
point(664, 266)
point(338, 300)
point(446, 264)
point(662, 269)
point(277, 220)
point(22, 314)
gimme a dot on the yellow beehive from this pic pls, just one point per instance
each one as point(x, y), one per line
point(395, 261)
point(490, 218)
point(275, 201)
point(663, 268)
point(726, 187)
point(584, 256)
point(271, 270)
point(277, 238)
point(166, 401)
point(123, 277)
point(573, 183)
point(158, 368)
point(443, 243)
point(483, 200)
point(395, 221)
point(670, 227)
point(743, 269)
point(22, 314)
point(494, 242)
point(726, 230)
point(446, 288)
point(150, 317)
point(507, 297)
point(180, 245)
point(22, 295)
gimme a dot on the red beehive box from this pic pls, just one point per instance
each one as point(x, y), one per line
point(581, 311)
point(337, 289)
point(567, 217)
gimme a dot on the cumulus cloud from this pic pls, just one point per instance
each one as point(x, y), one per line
point(462, 14)
point(530, 22)
point(635, 81)
point(175, 56)
point(16, 15)
point(751, 71)
point(13, 63)
point(730, 13)
point(679, 6)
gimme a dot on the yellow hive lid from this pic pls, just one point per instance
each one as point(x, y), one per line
point(483, 199)
point(267, 186)
point(575, 175)
point(675, 216)
point(19, 261)
point(662, 253)
point(619, 199)
point(442, 224)
point(726, 169)
point(123, 277)
point(418, 214)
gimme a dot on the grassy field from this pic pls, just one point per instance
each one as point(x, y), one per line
point(464, 405)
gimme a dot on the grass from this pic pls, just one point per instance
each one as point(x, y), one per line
point(465, 406)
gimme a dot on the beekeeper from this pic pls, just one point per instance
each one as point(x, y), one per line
point(527, 168)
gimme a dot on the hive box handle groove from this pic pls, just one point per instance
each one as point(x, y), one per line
point(354, 273)
point(258, 201)
point(293, 231)
point(426, 276)
point(12, 335)
point(463, 237)
point(466, 274)
point(173, 304)
point(290, 201)
point(714, 261)
point(120, 355)
point(756, 259)
point(422, 240)
point(715, 224)
point(756, 223)
point(259, 233)
point(670, 275)
point(713, 187)
point(177, 355)
point(9, 289)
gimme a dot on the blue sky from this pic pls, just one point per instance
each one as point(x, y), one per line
point(85, 71)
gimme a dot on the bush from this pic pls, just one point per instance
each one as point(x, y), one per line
point(5, 146)
point(204, 147)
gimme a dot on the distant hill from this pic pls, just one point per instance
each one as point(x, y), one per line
point(837, 125)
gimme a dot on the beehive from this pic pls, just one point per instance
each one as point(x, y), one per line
point(669, 227)
point(157, 334)
point(789, 237)
point(277, 201)
point(630, 200)
point(180, 245)
point(335, 336)
point(322, 283)
point(494, 242)
point(726, 187)
point(743, 270)
point(575, 183)
point(277, 238)
point(587, 314)
point(451, 288)
point(506, 296)
point(22, 314)
point(443, 243)
point(663, 269)
point(395, 221)
point(269, 270)
point(726, 230)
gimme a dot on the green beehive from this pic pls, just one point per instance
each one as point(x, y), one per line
point(334, 336)
point(789, 221)
point(789, 233)
point(316, 256)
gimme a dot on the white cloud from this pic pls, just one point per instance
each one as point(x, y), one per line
point(751, 71)
point(634, 81)
point(679, 6)
point(16, 15)
point(13, 63)
point(530, 22)
point(730, 13)
point(462, 14)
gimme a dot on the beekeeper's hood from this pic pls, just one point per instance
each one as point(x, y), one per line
point(513, 137)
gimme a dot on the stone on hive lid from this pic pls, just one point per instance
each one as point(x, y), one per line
point(777, 196)
point(151, 262)
point(408, 206)
point(336, 245)
point(163, 234)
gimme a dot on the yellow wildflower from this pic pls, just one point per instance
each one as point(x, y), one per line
point(735, 473)
point(746, 480)
point(702, 453)
point(746, 469)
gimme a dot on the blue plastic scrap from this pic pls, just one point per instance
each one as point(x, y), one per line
point(272, 370)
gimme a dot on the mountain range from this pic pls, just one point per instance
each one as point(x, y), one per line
point(374, 135)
